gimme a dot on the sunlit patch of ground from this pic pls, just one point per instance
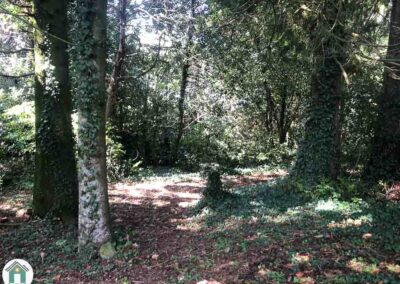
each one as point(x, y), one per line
point(263, 236)
point(14, 207)
point(185, 193)
point(158, 193)
point(13, 201)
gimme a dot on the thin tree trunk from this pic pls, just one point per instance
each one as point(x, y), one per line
point(384, 162)
point(145, 145)
point(282, 118)
point(184, 83)
point(56, 185)
point(94, 215)
point(269, 109)
point(112, 89)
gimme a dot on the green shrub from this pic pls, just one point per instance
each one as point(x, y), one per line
point(16, 143)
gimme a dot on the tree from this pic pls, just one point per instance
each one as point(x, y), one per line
point(112, 89)
point(94, 215)
point(319, 153)
point(184, 80)
point(384, 161)
point(56, 187)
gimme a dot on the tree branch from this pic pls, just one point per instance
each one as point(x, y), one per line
point(151, 67)
point(8, 76)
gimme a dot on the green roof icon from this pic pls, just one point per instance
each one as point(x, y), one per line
point(17, 273)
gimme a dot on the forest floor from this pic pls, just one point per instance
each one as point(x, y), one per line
point(264, 235)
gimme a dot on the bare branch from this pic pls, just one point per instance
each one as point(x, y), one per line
point(9, 76)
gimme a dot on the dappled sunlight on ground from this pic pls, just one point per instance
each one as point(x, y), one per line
point(183, 193)
point(14, 207)
point(263, 235)
point(363, 266)
point(159, 193)
point(349, 222)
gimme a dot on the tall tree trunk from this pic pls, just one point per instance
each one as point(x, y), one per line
point(112, 89)
point(319, 153)
point(282, 125)
point(269, 115)
point(94, 216)
point(384, 162)
point(184, 82)
point(56, 186)
point(144, 140)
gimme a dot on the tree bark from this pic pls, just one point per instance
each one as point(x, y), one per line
point(319, 153)
point(55, 186)
point(112, 89)
point(384, 163)
point(145, 144)
point(282, 125)
point(94, 215)
point(270, 114)
point(184, 82)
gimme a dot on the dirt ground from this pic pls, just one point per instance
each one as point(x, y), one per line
point(268, 236)
point(155, 215)
point(168, 240)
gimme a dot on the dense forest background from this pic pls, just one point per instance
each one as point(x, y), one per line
point(99, 92)
point(228, 83)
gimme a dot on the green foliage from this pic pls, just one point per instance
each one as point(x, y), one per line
point(345, 188)
point(360, 115)
point(16, 115)
point(248, 92)
point(107, 251)
point(16, 141)
point(119, 165)
point(115, 153)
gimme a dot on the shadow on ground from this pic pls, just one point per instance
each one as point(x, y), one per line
point(264, 236)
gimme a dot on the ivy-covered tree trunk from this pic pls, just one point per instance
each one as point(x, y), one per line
point(384, 163)
point(94, 215)
point(318, 156)
point(56, 186)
